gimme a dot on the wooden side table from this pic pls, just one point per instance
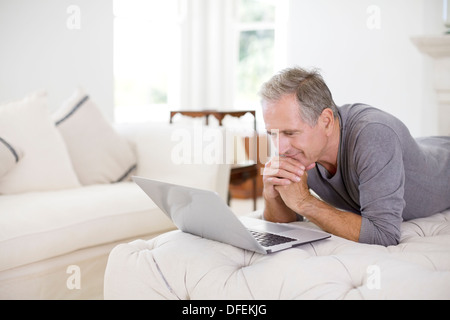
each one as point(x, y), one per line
point(219, 115)
point(239, 172)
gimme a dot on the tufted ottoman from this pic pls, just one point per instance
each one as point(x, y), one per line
point(177, 265)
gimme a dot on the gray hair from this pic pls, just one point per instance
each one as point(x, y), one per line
point(309, 87)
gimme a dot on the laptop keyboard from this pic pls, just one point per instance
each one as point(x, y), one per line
point(269, 239)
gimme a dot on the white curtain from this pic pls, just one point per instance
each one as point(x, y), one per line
point(207, 52)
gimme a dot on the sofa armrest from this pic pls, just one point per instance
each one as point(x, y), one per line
point(187, 155)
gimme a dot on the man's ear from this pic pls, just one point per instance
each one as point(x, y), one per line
point(327, 119)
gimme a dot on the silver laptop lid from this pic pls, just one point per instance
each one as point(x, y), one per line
point(199, 212)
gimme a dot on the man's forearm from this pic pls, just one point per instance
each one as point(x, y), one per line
point(276, 211)
point(340, 223)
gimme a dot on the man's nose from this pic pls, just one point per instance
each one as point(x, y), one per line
point(283, 145)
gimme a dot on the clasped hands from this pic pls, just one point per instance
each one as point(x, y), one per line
point(287, 178)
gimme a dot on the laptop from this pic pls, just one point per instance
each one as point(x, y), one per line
point(205, 214)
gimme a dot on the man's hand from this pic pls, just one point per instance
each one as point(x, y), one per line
point(285, 177)
point(280, 171)
point(294, 194)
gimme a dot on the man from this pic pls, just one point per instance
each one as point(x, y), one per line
point(368, 171)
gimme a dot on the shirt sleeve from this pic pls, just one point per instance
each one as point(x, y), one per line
point(381, 174)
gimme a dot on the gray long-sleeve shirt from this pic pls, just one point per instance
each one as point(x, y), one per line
point(384, 174)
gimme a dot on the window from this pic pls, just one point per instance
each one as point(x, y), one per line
point(164, 52)
point(256, 58)
point(146, 36)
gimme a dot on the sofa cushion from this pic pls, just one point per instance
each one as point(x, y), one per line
point(187, 155)
point(99, 154)
point(9, 156)
point(40, 225)
point(46, 164)
point(417, 268)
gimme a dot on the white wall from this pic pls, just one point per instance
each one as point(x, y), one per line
point(39, 50)
point(364, 50)
point(376, 66)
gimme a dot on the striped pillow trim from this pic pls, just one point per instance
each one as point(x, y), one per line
point(127, 173)
point(74, 109)
point(13, 151)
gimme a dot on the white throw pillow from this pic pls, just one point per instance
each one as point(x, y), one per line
point(46, 164)
point(9, 156)
point(99, 154)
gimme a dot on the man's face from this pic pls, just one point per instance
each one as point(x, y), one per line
point(292, 136)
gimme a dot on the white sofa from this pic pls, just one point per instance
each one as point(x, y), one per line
point(417, 268)
point(54, 243)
